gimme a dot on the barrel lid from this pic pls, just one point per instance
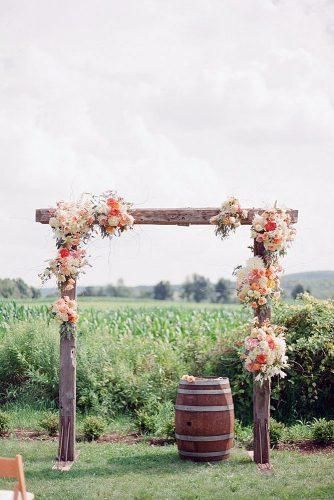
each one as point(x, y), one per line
point(206, 381)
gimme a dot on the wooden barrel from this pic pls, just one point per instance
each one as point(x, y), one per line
point(204, 419)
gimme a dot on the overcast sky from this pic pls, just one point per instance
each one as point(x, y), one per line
point(171, 103)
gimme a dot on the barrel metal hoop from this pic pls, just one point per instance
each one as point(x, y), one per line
point(204, 408)
point(204, 391)
point(215, 381)
point(208, 454)
point(222, 437)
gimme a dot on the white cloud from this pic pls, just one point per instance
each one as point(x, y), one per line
point(173, 104)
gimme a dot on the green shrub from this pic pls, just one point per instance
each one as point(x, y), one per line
point(50, 423)
point(299, 431)
point(4, 423)
point(243, 434)
point(323, 430)
point(307, 390)
point(29, 362)
point(276, 432)
point(93, 427)
point(157, 418)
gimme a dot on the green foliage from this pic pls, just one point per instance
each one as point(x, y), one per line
point(243, 434)
point(17, 289)
point(93, 427)
point(157, 418)
point(29, 362)
point(307, 391)
point(50, 423)
point(223, 289)
point(198, 288)
point(162, 291)
point(118, 290)
point(276, 432)
point(130, 356)
point(323, 430)
point(4, 423)
point(321, 283)
point(297, 290)
point(298, 431)
point(11, 312)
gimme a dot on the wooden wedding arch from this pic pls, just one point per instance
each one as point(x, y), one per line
point(67, 377)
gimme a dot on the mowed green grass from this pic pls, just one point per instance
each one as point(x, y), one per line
point(140, 471)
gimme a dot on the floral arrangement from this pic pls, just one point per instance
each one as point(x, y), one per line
point(74, 224)
point(229, 218)
point(264, 351)
point(65, 310)
point(273, 229)
point(111, 214)
point(66, 267)
point(257, 283)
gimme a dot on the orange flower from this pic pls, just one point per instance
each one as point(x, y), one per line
point(110, 229)
point(261, 358)
point(271, 343)
point(73, 318)
point(253, 367)
point(114, 211)
point(112, 203)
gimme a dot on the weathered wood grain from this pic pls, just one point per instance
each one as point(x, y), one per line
point(67, 392)
point(261, 393)
point(170, 216)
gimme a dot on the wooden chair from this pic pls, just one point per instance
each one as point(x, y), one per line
point(13, 468)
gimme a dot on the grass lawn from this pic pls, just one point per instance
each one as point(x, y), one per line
point(144, 472)
point(28, 418)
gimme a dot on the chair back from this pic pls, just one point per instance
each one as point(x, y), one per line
point(13, 468)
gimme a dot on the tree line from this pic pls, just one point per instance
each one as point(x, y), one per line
point(196, 288)
point(17, 289)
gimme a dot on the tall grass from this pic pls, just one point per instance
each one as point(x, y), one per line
point(130, 359)
point(126, 358)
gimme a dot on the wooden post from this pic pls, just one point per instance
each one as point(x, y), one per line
point(67, 391)
point(261, 393)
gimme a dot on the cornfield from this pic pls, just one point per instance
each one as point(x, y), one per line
point(166, 323)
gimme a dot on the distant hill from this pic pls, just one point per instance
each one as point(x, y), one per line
point(320, 283)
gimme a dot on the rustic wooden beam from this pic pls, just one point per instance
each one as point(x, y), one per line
point(261, 392)
point(67, 392)
point(170, 216)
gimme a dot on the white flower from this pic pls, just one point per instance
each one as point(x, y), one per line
point(113, 221)
point(254, 263)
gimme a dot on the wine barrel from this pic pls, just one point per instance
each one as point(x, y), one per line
point(204, 419)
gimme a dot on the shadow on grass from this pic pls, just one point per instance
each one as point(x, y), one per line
point(164, 464)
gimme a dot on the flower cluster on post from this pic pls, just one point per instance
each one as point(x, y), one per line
point(73, 224)
point(265, 351)
point(258, 283)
